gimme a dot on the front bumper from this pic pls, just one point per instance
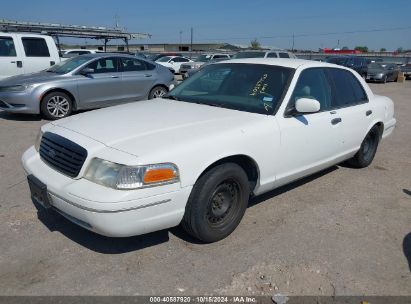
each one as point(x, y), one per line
point(377, 77)
point(106, 211)
point(20, 102)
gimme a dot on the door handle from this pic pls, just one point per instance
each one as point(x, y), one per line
point(147, 75)
point(113, 76)
point(368, 113)
point(336, 121)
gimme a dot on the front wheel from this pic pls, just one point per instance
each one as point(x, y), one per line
point(56, 105)
point(217, 203)
point(364, 157)
point(157, 92)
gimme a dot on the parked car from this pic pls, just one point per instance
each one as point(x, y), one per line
point(274, 53)
point(77, 52)
point(406, 69)
point(200, 60)
point(156, 56)
point(383, 72)
point(26, 53)
point(191, 72)
point(84, 82)
point(173, 63)
point(195, 156)
point(358, 64)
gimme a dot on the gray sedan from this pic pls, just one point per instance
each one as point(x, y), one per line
point(382, 72)
point(85, 82)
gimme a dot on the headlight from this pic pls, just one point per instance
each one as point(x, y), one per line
point(14, 88)
point(38, 140)
point(197, 66)
point(124, 177)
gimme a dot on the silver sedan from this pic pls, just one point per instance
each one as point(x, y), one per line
point(85, 82)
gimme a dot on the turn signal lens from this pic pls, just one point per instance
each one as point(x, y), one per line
point(159, 175)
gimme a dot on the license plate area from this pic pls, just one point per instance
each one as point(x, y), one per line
point(38, 192)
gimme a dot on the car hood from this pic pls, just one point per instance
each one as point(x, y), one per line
point(32, 78)
point(376, 71)
point(152, 125)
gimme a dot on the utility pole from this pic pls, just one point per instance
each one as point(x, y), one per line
point(191, 39)
point(181, 47)
point(292, 49)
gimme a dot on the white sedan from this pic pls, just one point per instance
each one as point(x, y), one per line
point(173, 63)
point(234, 129)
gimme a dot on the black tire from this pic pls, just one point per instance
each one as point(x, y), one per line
point(364, 157)
point(217, 203)
point(157, 92)
point(56, 105)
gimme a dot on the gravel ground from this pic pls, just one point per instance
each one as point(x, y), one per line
point(342, 231)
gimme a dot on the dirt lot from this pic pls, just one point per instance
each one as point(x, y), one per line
point(344, 232)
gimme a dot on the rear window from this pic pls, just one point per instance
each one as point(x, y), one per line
point(7, 48)
point(284, 55)
point(35, 47)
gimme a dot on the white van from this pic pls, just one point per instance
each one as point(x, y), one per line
point(26, 53)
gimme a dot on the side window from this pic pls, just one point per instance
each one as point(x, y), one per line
point(284, 55)
point(35, 47)
point(130, 64)
point(347, 90)
point(104, 65)
point(272, 55)
point(7, 48)
point(313, 83)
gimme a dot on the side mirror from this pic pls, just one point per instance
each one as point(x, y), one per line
point(307, 105)
point(86, 71)
point(172, 62)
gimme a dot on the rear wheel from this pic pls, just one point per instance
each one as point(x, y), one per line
point(157, 92)
point(56, 105)
point(364, 157)
point(217, 203)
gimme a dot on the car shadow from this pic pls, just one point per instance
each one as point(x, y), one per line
point(19, 117)
point(98, 243)
point(406, 246)
point(107, 245)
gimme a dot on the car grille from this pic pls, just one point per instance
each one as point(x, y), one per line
point(62, 154)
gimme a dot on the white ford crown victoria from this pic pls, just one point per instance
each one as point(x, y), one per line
point(194, 157)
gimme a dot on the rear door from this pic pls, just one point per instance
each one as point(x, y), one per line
point(37, 53)
point(10, 61)
point(138, 78)
point(350, 104)
point(104, 86)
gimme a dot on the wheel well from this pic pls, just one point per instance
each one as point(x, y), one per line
point(380, 126)
point(62, 91)
point(245, 162)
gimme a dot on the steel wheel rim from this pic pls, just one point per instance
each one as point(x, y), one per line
point(220, 207)
point(159, 93)
point(58, 106)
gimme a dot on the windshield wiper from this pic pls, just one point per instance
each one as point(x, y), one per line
point(171, 97)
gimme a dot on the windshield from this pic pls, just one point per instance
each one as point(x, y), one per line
point(203, 58)
point(164, 59)
point(240, 55)
point(69, 65)
point(255, 88)
point(375, 65)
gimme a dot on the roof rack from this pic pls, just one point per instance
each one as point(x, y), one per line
point(75, 31)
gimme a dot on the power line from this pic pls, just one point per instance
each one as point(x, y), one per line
point(314, 34)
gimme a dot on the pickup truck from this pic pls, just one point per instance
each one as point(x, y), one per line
point(22, 53)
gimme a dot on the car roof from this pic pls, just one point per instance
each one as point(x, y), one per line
point(285, 62)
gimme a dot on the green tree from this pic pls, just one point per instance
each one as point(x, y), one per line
point(363, 49)
point(400, 50)
point(383, 49)
point(345, 48)
point(255, 44)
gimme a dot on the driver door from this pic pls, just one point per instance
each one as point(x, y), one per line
point(309, 142)
point(103, 87)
